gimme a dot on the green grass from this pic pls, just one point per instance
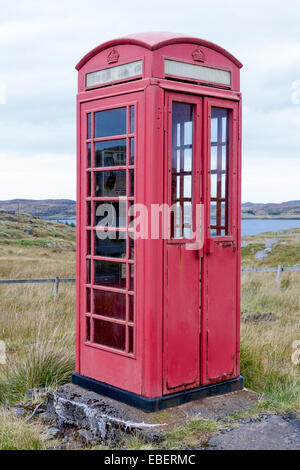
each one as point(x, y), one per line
point(286, 255)
point(194, 434)
point(265, 406)
point(14, 231)
point(15, 435)
point(248, 252)
point(285, 252)
point(47, 370)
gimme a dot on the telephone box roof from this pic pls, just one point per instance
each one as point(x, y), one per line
point(156, 40)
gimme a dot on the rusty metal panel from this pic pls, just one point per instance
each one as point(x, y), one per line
point(221, 313)
point(182, 319)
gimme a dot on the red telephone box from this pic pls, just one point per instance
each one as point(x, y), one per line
point(158, 125)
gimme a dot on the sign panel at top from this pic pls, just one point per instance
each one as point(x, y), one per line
point(114, 74)
point(197, 72)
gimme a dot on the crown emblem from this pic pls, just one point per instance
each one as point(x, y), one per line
point(113, 56)
point(198, 55)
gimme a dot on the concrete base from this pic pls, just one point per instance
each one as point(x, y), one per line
point(159, 403)
point(106, 420)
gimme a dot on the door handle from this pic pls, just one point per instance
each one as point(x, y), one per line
point(195, 246)
point(228, 244)
point(209, 246)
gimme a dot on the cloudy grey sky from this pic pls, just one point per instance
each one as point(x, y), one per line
point(41, 41)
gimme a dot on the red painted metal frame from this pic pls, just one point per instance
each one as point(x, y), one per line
point(144, 372)
point(181, 329)
point(211, 324)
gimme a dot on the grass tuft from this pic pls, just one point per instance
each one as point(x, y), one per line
point(14, 435)
point(39, 369)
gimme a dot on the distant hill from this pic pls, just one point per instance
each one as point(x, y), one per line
point(49, 209)
point(59, 209)
point(27, 230)
point(284, 210)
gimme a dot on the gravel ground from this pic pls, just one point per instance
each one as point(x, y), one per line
point(267, 432)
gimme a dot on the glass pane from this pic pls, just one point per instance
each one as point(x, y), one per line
point(88, 329)
point(188, 132)
point(111, 214)
point(131, 307)
point(213, 213)
point(88, 271)
point(224, 128)
point(112, 246)
point(130, 339)
point(182, 167)
point(88, 184)
point(177, 164)
point(89, 153)
point(131, 244)
point(110, 122)
point(111, 183)
point(89, 125)
point(219, 167)
point(109, 334)
point(214, 129)
point(223, 191)
point(110, 274)
point(110, 304)
point(187, 218)
point(88, 213)
point(188, 159)
point(132, 151)
point(131, 277)
point(111, 153)
point(223, 214)
point(177, 223)
point(213, 185)
point(89, 245)
point(214, 158)
point(131, 178)
point(187, 186)
point(88, 300)
point(224, 157)
point(132, 117)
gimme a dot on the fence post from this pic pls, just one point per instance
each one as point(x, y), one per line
point(279, 271)
point(56, 287)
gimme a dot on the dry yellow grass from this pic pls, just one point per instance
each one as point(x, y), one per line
point(28, 312)
point(15, 435)
point(271, 324)
point(33, 316)
point(38, 330)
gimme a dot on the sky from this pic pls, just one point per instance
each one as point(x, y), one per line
point(41, 42)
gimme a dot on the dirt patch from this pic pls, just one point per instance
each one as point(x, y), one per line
point(257, 317)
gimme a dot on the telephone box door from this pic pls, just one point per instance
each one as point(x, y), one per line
point(200, 282)
point(182, 266)
point(110, 346)
point(220, 269)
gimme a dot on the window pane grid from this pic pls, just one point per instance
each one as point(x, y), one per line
point(219, 172)
point(182, 170)
point(110, 261)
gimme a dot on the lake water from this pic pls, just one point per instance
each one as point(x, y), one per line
point(251, 226)
point(256, 226)
point(67, 221)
